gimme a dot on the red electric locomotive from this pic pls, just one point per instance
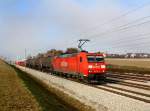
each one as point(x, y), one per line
point(83, 65)
point(21, 63)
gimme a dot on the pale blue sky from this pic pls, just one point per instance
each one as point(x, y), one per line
point(39, 25)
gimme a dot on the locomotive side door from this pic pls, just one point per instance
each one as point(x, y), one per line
point(79, 64)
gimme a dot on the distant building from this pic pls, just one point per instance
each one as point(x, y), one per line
point(129, 55)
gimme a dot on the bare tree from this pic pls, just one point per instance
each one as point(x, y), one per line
point(71, 50)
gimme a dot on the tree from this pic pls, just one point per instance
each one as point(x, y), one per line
point(29, 57)
point(98, 52)
point(71, 50)
point(54, 52)
point(40, 55)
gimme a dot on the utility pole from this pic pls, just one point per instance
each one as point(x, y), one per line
point(25, 53)
point(25, 56)
point(82, 42)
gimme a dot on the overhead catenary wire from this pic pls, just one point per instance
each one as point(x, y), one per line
point(131, 44)
point(120, 16)
point(124, 27)
point(117, 18)
point(133, 39)
point(137, 43)
point(118, 29)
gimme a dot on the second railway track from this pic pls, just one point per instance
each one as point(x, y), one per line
point(136, 95)
point(130, 84)
point(144, 97)
point(135, 77)
point(123, 93)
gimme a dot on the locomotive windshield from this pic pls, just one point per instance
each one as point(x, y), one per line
point(91, 58)
point(95, 58)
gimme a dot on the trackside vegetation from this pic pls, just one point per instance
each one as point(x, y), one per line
point(141, 66)
point(14, 96)
point(19, 92)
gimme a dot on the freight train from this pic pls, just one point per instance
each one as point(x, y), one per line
point(82, 65)
point(21, 63)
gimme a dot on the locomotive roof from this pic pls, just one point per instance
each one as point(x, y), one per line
point(68, 55)
point(74, 54)
point(95, 54)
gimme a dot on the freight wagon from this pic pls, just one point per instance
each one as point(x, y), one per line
point(40, 63)
point(21, 63)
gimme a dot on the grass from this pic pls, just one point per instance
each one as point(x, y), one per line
point(19, 92)
point(141, 63)
point(48, 101)
point(14, 96)
point(66, 102)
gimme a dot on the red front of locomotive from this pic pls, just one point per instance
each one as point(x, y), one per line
point(96, 66)
point(83, 64)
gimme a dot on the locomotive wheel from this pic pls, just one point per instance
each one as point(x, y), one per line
point(86, 80)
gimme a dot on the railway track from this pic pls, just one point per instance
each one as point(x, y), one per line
point(122, 91)
point(135, 74)
point(126, 93)
point(129, 77)
point(132, 74)
point(127, 90)
point(144, 97)
point(126, 78)
point(141, 96)
point(130, 84)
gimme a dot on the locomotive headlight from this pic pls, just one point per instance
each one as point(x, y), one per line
point(103, 66)
point(90, 66)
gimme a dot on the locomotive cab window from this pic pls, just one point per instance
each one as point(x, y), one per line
point(95, 58)
point(99, 59)
point(91, 58)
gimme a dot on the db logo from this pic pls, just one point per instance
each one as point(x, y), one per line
point(64, 64)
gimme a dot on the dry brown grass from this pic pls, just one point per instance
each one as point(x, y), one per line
point(129, 65)
point(141, 63)
point(14, 96)
point(68, 100)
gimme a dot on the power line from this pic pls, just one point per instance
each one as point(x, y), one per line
point(137, 20)
point(125, 14)
point(129, 40)
point(130, 44)
point(119, 17)
point(125, 26)
point(120, 29)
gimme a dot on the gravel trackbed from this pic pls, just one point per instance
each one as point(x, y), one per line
point(98, 99)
